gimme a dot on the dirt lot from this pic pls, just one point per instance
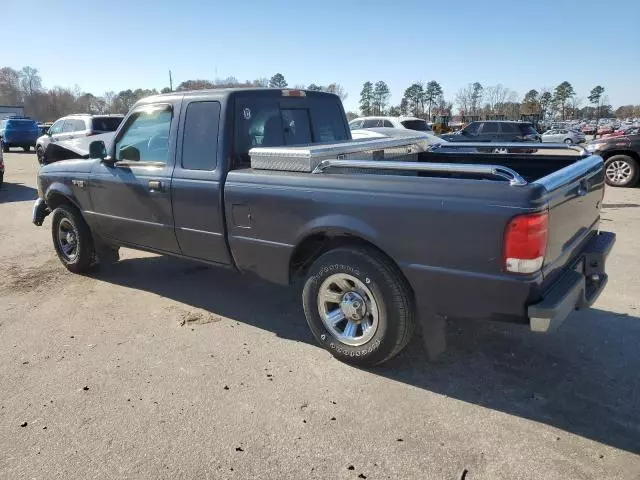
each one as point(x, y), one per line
point(156, 368)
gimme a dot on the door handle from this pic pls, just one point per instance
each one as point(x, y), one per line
point(155, 186)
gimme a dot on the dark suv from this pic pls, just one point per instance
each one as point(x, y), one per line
point(495, 131)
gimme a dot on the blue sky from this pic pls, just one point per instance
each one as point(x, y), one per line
point(118, 44)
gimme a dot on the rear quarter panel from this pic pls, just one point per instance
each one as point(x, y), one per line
point(444, 234)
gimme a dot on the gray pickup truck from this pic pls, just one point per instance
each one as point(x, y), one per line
point(250, 179)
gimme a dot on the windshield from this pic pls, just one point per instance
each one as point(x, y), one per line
point(419, 125)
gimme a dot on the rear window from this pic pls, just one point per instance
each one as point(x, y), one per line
point(419, 125)
point(105, 124)
point(269, 122)
point(21, 124)
point(527, 129)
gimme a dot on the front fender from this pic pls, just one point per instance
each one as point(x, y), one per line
point(56, 190)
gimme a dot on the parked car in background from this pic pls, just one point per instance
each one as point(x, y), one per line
point(74, 126)
point(495, 131)
point(621, 133)
point(621, 159)
point(589, 129)
point(410, 123)
point(604, 130)
point(563, 135)
point(18, 132)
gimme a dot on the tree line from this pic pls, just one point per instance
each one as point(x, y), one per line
point(25, 87)
point(426, 100)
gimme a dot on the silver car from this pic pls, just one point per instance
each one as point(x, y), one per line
point(76, 126)
point(563, 135)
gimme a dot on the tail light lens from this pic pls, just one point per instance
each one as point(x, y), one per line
point(525, 242)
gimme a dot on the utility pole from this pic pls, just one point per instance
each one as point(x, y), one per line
point(170, 81)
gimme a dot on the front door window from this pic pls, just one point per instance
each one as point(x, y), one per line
point(145, 137)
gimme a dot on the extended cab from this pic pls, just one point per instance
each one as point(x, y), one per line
point(269, 182)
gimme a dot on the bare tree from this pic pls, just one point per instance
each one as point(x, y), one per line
point(10, 92)
point(497, 97)
point(30, 81)
point(338, 90)
point(464, 99)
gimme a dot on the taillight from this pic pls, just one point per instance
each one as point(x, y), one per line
point(525, 242)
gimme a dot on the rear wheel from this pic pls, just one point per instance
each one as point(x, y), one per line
point(358, 306)
point(5, 147)
point(621, 171)
point(72, 239)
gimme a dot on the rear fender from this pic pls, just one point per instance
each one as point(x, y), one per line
point(337, 224)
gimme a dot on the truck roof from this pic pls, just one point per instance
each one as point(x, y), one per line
point(220, 93)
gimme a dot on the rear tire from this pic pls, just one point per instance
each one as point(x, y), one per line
point(621, 171)
point(374, 300)
point(72, 239)
point(5, 147)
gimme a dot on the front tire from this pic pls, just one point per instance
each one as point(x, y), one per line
point(568, 141)
point(72, 239)
point(358, 306)
point(40, 155)
point(5, 147)
point(27, 148)
point(621, 171)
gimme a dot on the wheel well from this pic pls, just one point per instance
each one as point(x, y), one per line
point(628, 153)
point(312, 247)
point(57, 199)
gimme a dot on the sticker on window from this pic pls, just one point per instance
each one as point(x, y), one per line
point(246, 113)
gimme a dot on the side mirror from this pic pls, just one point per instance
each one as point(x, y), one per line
point(97, 149)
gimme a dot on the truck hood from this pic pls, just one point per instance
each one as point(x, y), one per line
point(75, 166)
point(75, 148)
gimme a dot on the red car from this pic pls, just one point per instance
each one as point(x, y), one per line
point(605, 130)
point(620, 133)
point(589, 129)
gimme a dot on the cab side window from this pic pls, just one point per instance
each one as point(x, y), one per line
point(200, 138)
point(145, 137)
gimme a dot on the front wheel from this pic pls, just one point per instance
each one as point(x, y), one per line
point(5, 147)
point(27, 148)
point(358, 306)
point(621, 171)
point(72, 239)
point(568, 141)
point(40, 155)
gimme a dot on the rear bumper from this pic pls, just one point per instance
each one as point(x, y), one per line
point(578, 288)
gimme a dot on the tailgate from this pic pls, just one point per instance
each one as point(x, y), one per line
point(574, 198)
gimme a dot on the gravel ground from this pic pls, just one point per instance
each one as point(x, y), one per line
point(156, 368)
